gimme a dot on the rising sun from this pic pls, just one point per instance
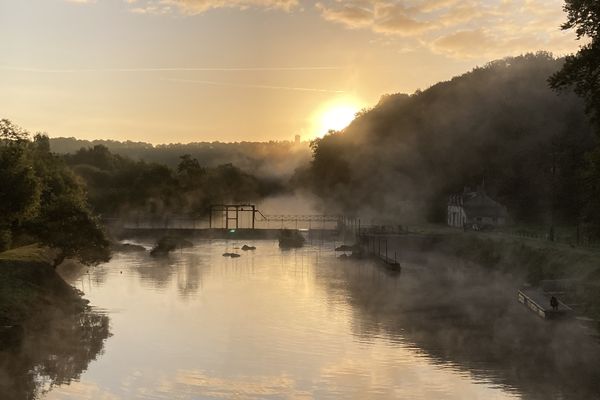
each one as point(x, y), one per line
point(335, 116)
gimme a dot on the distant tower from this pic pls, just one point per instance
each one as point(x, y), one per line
point(297, 139)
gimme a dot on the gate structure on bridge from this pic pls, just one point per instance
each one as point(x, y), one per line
point(231, 215)
point(236, 216)
point(231, 212)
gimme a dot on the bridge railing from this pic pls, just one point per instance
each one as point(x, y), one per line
point(273, 221)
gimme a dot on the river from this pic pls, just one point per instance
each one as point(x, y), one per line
point(302, 324)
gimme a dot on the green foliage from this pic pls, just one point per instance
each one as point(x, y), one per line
point(591, 183)
point(119, 185)
point(20, 194)
point(499, 123)
point(189, 172)
point(273, 158)
point(43, 199)
point(20, 187)
point(584, 15)
point(66, 223)
point(329, 166)
point(5, 238)
point(11, 133)
point(582, 70)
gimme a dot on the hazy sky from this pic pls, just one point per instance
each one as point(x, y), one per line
point(192, 70)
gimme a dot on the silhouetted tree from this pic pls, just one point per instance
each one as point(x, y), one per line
point(19, 185)
point(582, 70)
point(41, 197)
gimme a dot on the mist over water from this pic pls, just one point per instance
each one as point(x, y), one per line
point(302, 324)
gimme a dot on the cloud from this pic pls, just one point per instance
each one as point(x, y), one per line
point(195, 7)
point(465, 43)
point(397, 19)
point(351, 15)
point(456, 28)
point(459, 28)
point(381, 17)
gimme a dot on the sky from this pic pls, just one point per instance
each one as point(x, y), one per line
point(167, 71)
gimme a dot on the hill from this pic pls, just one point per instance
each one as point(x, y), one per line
point(499, 124)
point(266, 159)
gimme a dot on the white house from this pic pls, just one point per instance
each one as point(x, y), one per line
point(475, 209)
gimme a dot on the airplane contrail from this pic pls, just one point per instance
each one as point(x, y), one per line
point(253, 86)
point(170, 69)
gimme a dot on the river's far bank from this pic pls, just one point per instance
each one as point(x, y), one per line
point(531, 261)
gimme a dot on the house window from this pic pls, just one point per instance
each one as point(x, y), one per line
point(478, 219)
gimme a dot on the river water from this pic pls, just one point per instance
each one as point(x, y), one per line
point(302, 324)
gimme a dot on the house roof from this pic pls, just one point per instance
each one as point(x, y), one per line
point(479, 204)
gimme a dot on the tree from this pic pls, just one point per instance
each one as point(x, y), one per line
point(68, 225)
point(189, 172)
point(19, 186)
point(64, 220)
point(10, 132)
point(582, 70)
point(42, 199)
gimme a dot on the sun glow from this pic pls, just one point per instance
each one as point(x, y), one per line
point(335, 116)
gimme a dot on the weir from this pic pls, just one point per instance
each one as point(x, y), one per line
point(232, 221)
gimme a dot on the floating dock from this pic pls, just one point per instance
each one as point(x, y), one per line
point(539, 303)
point(389, 263)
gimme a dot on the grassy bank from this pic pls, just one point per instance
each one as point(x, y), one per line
point(30, 288)
point(530, 259)
point(48, 335)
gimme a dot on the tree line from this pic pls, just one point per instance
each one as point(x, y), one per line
point(57, 200)
point(265, 159)
point(119, 186)
point(499, 125)
point(527, 127)
point(42, 200)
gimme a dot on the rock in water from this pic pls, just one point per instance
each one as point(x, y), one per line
point(289, 238)
point(167, 244)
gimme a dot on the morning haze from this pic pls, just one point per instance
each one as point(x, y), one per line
point(184, 71)
point(283, 199)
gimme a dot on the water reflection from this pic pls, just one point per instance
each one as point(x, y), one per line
point(51, 353)
point(302, 324)
point(467, 319)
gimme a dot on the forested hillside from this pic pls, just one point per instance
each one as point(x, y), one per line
point(500, 125)
point(269, 159)
point(118, 185)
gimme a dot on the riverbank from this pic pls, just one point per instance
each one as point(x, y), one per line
point(531, 261)
point(31, 290)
